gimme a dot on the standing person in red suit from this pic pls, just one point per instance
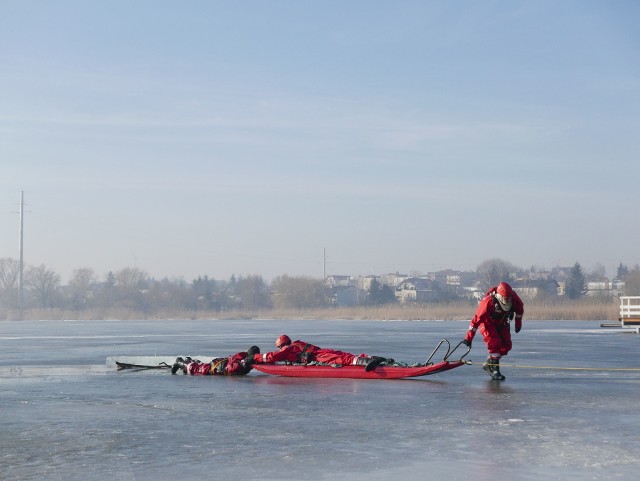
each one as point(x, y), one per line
point(303, 353)
point(237, 364)
point(499, 305)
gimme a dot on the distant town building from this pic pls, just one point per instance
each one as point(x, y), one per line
point(532, 288)
point(417, 289)
point(336, 280)
point(344, 290)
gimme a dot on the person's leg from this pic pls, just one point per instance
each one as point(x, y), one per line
point(495, 345)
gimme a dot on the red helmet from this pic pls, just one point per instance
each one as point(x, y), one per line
point(503, 294)
point(282, 341)
point(504, 290)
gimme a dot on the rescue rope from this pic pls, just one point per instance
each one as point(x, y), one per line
point(558, 368)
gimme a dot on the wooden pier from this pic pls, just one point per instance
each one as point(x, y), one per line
point(630, 312)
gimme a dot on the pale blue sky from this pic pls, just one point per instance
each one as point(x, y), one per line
point(220, 138)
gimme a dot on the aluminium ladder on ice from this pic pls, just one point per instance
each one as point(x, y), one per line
point(630, 312)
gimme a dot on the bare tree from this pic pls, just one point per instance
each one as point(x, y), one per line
point(131, 278)
point(167, 294)
point(298, 292)
point(494, 271)
point(254, 292)
point(130, 286)
point(9, 273)
point(44, 284)
point(82, 286)
point(9, 280)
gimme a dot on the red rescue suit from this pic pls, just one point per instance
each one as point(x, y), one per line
point(493, 323)
point(220, 366)
point(302, 352)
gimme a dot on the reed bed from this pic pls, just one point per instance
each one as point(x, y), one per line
point(588, 309)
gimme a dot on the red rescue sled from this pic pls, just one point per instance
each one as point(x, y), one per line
point(358, 372)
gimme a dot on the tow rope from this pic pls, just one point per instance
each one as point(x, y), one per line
point(558, 368)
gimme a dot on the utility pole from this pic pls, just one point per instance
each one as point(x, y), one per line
point(324, 263)
point(21, 254)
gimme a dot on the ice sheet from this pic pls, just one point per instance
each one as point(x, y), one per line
point(67, 414)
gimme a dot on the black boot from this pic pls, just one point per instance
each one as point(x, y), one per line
point(492, 366)
point(370, 363)
point(374, 362)
point(497, 375)
point(366, 362)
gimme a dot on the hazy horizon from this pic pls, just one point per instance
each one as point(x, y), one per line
point(101, 276)
point(221, 138)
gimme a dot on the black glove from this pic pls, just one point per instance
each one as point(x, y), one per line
point(248, 361)
point(466, 343)
point(518, 329)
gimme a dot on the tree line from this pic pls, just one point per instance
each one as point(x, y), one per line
point(133, 289)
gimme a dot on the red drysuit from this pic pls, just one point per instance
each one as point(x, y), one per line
point(220, 366)
point(493, 323)
point(302, 352)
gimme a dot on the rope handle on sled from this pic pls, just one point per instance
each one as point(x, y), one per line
point(457, 346)
point(449, 351)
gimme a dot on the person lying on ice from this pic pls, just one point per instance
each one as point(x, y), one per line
point(237, 364)
point(304, 353)
point(499, 305)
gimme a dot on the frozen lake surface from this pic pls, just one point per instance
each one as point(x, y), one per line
point(68, 415)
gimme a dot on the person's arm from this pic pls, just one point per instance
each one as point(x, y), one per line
point(518, 309)
point(237, 363)
point(275, 356)
point(478, 318)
